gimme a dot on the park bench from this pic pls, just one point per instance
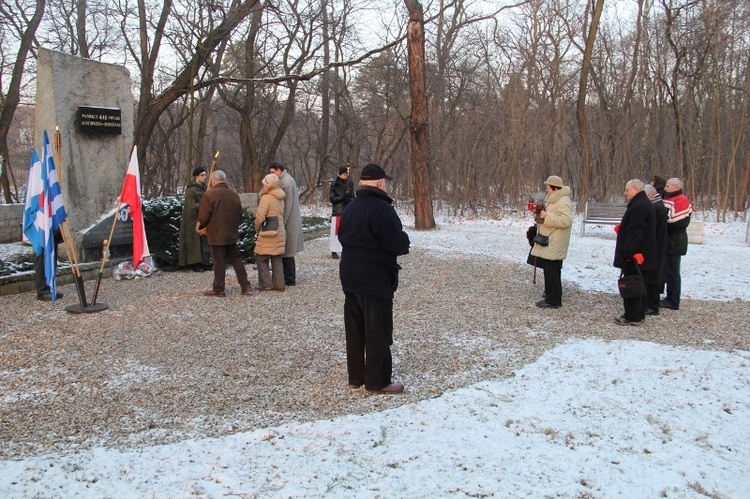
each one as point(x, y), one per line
point(602, 214)
point(611, 214)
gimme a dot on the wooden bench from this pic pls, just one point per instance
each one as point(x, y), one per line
point(611, 214)
point(602, 214)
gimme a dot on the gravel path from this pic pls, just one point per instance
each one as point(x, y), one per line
point(165, 364)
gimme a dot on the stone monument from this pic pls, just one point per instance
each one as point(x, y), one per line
point(92, 106)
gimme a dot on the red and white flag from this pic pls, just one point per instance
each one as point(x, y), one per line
point(131, 195)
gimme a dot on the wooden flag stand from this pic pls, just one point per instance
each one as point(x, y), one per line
point(70, 248)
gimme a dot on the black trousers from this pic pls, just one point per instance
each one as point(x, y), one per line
point(369, 336)
point(634, 307)
point(40, 278)
point(553, 282)
point(290, 270)
point(674, 279)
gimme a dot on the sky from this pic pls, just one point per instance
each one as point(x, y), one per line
point(588, 418)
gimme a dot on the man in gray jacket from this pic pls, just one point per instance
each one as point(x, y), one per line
point(292, 222)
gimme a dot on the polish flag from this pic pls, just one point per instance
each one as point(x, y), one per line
point(131, 195)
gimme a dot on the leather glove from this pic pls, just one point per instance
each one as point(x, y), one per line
point(638, 257)
point(617, 229)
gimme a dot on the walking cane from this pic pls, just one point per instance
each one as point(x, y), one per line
point(534, 280)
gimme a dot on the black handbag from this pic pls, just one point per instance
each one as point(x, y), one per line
point(541, 240)
point(631, 286)
point(270, 223)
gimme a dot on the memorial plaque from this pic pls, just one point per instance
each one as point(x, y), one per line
point(99, 120)
point(123, 234)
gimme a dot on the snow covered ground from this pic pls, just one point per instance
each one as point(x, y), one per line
point(587, 419)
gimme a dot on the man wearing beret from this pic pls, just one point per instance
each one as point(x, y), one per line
point(372, 238)
point(194, 250)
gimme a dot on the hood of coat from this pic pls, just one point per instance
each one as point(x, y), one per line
point(558, 194)
point(276, 192)
point(271, 183)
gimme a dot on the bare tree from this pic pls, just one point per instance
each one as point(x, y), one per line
point(596, 13)
point(420, 139)
point(24, 24)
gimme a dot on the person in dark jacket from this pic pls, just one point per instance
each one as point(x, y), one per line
point(194, 251)
point(659, 183)
point(636, 245)
point(341, 194)
point(219, 217)
point(653, 291)
point(680, 210)
point(372, 238)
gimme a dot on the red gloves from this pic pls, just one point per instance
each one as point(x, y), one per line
point(617, 229)
point(531, 206)
point(638, 257)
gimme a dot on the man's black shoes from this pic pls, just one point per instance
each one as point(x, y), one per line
point(544, 304)
point(668, 304)
point(48, 296)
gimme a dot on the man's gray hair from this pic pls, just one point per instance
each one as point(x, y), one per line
point(219, 176)
point(635, 183)
point(677, 182)
point(650, 190)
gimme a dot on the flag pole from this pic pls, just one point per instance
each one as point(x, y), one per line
point(70, 246)
point(212, 169)
point(67, 234)
point(105, 252)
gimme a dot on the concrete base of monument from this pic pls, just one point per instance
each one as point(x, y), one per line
point(23, 282)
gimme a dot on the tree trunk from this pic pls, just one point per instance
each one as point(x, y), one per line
point(325, 96)
point(581, 104)
point(420, 140)
point(13, 97)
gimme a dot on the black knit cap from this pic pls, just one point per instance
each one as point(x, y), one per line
point(374, 172)
point(658, 182)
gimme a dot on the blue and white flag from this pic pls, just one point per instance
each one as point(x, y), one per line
point(33, 213)
point(44, 210)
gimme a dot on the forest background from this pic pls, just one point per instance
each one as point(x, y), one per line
point(595, 91)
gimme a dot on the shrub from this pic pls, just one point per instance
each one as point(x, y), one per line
point(162, 217)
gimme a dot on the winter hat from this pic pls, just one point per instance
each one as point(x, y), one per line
point(343, 169)
point(554, 181)
point(373, 172)
point(271, 180)
point(198, 170)
point(658, 182)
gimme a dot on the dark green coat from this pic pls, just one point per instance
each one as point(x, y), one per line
point(193, 247)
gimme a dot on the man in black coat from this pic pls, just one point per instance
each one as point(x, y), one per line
point(372, 238)
point(653, 291)
point(636, 245)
